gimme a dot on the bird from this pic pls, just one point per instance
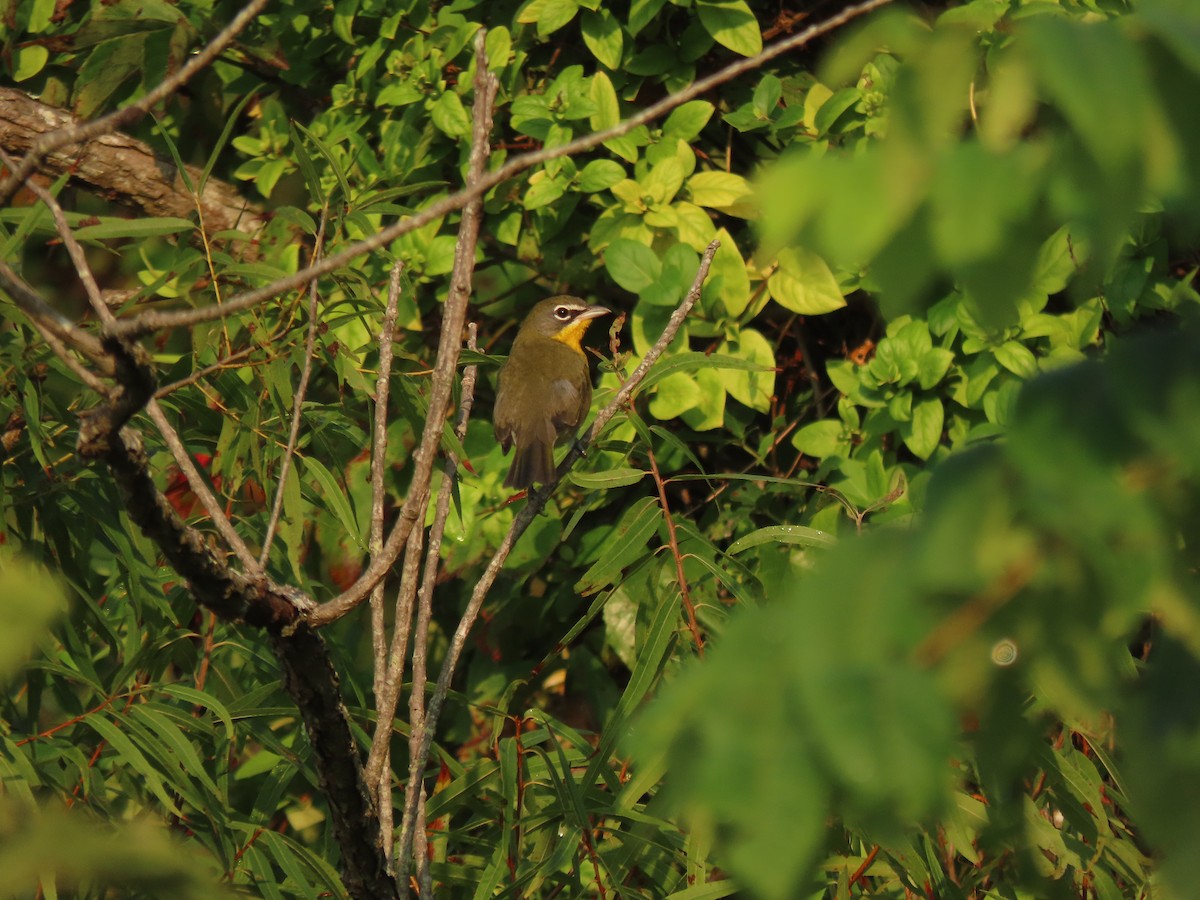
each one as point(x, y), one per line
point(545, 386)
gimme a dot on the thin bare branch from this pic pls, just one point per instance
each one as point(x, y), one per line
point(521, 521)
point(449, 348)
point(199, 487)
point(200, 374)
point(379, 445)
point(155, 320)
point(310, 345)
point(433, 555)
point(84, 131)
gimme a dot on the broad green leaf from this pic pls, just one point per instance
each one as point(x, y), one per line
point(548, 15)
point(543, 190)
point(834, 106)
point(803, 283)
point(632, 265)
point(923, 432)
point(642, 13)
point(604, 96)
point(106, 68)
point(28, 61)
point(767, 95)
point(449, 115)
point(599, 175)
point(754, 389)
point(687, 120)
point(731, 24)
point(933, 365)
point(821, 439)
point(720, 190)
point(603, 36)
point(728, 282)
point(675, 394)
point(709, 410)
point(1017, 358)
point(694, 226)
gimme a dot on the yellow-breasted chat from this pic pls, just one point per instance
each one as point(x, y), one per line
point(545, 387)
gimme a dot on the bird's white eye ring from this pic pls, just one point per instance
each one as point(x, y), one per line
point(562, 313)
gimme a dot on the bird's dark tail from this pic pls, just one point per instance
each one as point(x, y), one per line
point(531, 464)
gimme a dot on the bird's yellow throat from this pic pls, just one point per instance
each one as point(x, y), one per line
point(572, 335)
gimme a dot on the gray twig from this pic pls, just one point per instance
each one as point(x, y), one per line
point(433, 554)
point(449, 348)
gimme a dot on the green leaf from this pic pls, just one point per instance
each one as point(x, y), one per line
point(675, 395)
point(610, 478)
point(449, 115)
point(132, 228)
point(543, 190)
point(782, 534)
point(767, 95)
point(28, 61)
point(754, 389)
point(923, 432)
point(642, 13)
point(821, 439)
point(720, 190)
point(624, 545)
point(691, 362)
point(688, 120)
point(603, 36)
point(599, 175)
point(803, 283)
point(728, 281)
point(1017, 358)
point(833, 107)
point(731, 24)
point(131, 756)
point(933, 365)
point(632, 265)
point(548, 15)
point(604, 96)
point(335, 496)
point(106, 68)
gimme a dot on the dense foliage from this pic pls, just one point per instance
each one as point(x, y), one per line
point(902, 528)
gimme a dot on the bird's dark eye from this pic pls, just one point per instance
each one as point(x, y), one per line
point(562, 312)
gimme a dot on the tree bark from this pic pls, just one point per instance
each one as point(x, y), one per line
point(121, 168)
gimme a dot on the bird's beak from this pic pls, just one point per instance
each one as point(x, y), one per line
point(593, 312)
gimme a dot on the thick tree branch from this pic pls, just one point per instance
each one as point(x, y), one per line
point(312, 683)
point(81, 132)
point(121, 168)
